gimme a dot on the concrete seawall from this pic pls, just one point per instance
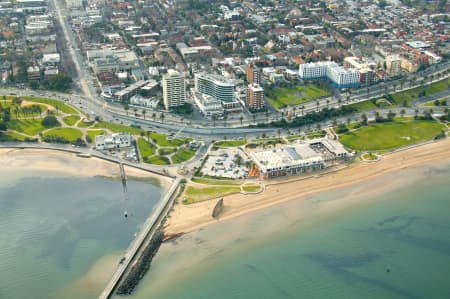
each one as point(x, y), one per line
point(148, 237)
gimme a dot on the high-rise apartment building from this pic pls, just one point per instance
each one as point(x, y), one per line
point(339, 76)
point(393, 65)
point(174, 89)
point(216, 86)
point(253, 74)
point(255, 97)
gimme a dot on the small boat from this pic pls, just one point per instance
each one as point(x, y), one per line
point(125, 214)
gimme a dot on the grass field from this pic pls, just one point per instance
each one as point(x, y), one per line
point(193, 194)
point(388, 136)
point(12, 136)
point(167, 151)
point(146, 149)
point(283, 97)
point(28, 126)
point(230, 143)
point(93, 133)
point(407, 96)
point(157, 160)
point(162, 140)
point(69, 134)
point(364, 106)
point(117, 128)
point(71, 119)
point(182, 155)
point(85, 124)
point(63, 107)
point(251, 188)
point(222, 182)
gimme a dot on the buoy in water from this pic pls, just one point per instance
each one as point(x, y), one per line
point(126, 214)
point(388, 270)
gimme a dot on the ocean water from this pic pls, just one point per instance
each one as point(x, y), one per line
point(61, 236)
point(387, 238)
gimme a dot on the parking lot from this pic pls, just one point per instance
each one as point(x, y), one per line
point(228, 163)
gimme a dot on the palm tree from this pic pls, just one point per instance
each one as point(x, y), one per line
point(4, 99)
point(241, 118)
point(254, 117)
point(267, 116)
point(225, 117)
point(364, 119)
point(334, 123)
point(153, 115)
point(328, 102)
point(144, 112)
point(135, 111)
point(162, 116)
point(214, 117)
point(148, 136)
point(318, 127)
point(279, 135)
point(416, 112)
point(402, 112)
point(348, 121)
point(126, 107)
point(317, 105)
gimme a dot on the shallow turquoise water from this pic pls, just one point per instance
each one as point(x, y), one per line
point(394, 246)
point(54, 228)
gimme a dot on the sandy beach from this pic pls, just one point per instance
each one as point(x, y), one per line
point(70, 164)
point(187, 218)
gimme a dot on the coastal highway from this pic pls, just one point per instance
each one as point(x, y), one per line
point(147, 231)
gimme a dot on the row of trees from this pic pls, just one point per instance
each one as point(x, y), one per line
point(311, 118)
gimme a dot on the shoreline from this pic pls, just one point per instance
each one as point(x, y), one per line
point(189, 218)
point(51, 161)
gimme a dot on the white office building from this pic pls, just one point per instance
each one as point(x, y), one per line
point(174, 89)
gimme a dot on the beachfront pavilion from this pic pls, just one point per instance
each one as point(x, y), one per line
point(287, 160)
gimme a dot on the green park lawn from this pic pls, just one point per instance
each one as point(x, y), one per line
point(146, 149)
point(157, 160)
point(251, 188)
point(182, 155)
point(12, 136)
point(364, 106)
point(407, 96)
point(230, 143)
point(61, 106)
point(166, 151)
point(27, 126)
point(93, 133)
point(71, 119)
point(193, 194)
point(283, 97)
point(85, 123)
point(388, 136)
point(117, 128)
point(69, 134)
point(221, 182)
point(162, 140)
